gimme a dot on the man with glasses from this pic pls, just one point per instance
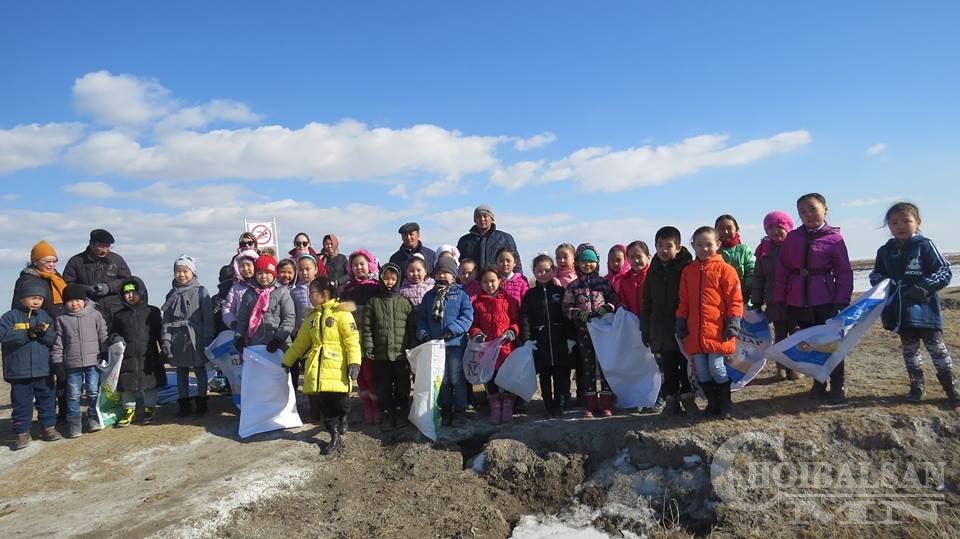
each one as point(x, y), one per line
point(410, 236)
point(101, 271)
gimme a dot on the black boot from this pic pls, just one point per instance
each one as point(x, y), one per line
point(389, 420)
point(946, 380)
point(710, 392)
point(837, 393)
point(672, 407)
point(446, 416)
point(185, 407)
point(725, 405)
point(818, 391)
point(342, 425)
point(335, 442)
point(916, 385)
point(201, 406)
point(689, 402)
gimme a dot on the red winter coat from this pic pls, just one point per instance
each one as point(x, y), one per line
point(709, 296)
point(629, 289)
point(492, 315)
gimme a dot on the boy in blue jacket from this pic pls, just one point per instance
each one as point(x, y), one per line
point(446, 313)
point(27, 334)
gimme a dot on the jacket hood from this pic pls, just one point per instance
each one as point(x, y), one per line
point(581, 248)
point(141, 288)
point(342, 306)
point(396, 269)
point(623, 269)
point(372, 264)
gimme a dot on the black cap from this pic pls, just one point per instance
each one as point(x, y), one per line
point(408, 228)
point(74, 291)
point(101, 236)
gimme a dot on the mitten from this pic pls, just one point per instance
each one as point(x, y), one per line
point(274, 344)
point(99, 290)
point(732, 328)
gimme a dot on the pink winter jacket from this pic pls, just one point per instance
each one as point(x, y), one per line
point(813, 268)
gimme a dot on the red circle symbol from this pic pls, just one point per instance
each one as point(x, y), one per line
point(263, 234)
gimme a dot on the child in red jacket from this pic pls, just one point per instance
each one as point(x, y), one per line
point(708, 318)
point(496, 315)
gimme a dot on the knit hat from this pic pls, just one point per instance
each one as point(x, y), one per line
point(31, 287)
point(447, 264)
point(40, 251)
point(483, 208)
point(408, 228)
point(390, 266)
point(100, 235)
point(74, 291)
point(778, 218)
point(587, 252)
point(266, 263)
point(187, 262)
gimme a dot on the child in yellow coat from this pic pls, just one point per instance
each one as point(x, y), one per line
point(330, 343)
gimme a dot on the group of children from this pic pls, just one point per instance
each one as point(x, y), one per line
point(688, 305)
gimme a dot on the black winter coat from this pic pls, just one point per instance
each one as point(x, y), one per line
point(661, 296)
point(482, 248)
point(84, 268)
point(542, 321)
point(139, 326)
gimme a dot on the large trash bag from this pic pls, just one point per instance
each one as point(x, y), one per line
point(480, 360)
point(427, 361)
point(518, 375)
point(628, 365)
point(224, 355)
point(269, 401)
point(109, 406)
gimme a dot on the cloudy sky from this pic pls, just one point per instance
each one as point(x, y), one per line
point(169, 124)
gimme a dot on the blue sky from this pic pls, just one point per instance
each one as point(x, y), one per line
point(169, 123)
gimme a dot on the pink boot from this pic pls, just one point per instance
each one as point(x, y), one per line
point(496, 408)
point(506, 414)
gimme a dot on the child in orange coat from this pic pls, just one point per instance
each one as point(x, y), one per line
point(708, 318)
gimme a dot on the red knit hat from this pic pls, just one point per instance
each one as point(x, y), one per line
point(266, 263)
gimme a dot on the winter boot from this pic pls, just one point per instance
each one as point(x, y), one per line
point(710, 392)
point(186, 407)
point(506, 411)
point(818, 391)
point(50, 434)
point(725, 405)
point(446, 416)
point(917, 389)
point(837, 395)
point(519, 406)
point(335, 442)
point(73, 427)
point(201, 406)
point(606, 404)
point(149, 415)
point(496, 408)
point(593, 405)
point(127, 418)
point(343, 424)
point(22, 441)
point(689, 402)
point(91, 424)
point(672, 407)
point(389, 421)
point(946, 380)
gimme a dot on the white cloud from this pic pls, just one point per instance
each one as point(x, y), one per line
point(535, 141)
point(399, 191)
point(202, 116)
point(864, 202)
point(876, 149)
point(90, 189)
point(516, 175)
point(9, 197)
point(121, 100)
point(165, 194)
point(34, 145)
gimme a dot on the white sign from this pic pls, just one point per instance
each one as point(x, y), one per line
point(264, 231)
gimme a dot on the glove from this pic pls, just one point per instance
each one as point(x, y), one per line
point(353, 371)
point(680, 328)
point(914, 292)
point(584, 316)
point(509, 335)
point(480, 337)
point(600, 311)
point(117, 339)
point(446, 336)
point(274, 344)
point(60, 372)
point(239, 342)
point(368, 354)
point(99, 290)
point(425, 338)
point(732, 329)
point(36, 332)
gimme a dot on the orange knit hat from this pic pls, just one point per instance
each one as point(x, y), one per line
point(40, 251)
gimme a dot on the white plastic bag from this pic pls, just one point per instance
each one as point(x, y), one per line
point(518, 375)
point(480, 360)
point(428, 362)
point(109, 406)
point(628, 365)
point(269, 402)
point(223, 354)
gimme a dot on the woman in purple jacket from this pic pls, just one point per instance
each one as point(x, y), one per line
point(815, 279)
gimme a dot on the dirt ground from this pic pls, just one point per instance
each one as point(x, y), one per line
point(196, 478)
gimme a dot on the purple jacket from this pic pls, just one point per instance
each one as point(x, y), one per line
point(813, 268)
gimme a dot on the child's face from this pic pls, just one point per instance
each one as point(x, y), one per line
point(328, 247)
point(777, 233)
point(705, 244)
point(587, 266)
point(182, 274)
point(32, 302)
point(564, 259)
point(667, 249)
point(444, 277)
point(132, 297)
point(903, 225)
point(286, 274)
point(543, 272)
point(360, 266)
point(390, 280)
point(318, 298)
point(75, 305)
point(812, 213)
point(638, 259)
point(308, 270)
point(265, 278)
point(726, 229)
point(246, 269)
point(467, 272)
point(490, 282)
point(416, 273)
point(505, 263)
point(616, 260)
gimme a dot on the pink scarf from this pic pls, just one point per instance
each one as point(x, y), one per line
point(260, 307)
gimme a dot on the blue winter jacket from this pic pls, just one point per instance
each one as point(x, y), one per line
point(23, 358)
point(916, 262)
point(457, 315)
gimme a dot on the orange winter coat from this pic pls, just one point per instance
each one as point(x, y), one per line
point(709, 296)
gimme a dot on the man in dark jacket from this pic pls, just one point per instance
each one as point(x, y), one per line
point(484, 240)
point(410, 235)
point(101, 271)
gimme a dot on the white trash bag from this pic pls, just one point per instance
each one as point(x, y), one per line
point(269, 402)
point(518, 375)
point(428, 362)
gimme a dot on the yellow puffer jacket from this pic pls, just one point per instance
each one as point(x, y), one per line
point(329, 341)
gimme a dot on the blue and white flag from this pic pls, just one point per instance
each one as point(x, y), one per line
point(752, 343)
point(816, 351)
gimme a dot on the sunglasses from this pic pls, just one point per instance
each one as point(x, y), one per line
point(247, 243)
point(301, 243)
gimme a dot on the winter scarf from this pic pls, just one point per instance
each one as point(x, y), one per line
point(177, 303)
point(438, 302)
point(732, 242)
point(57, 284)
point(260, 307)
